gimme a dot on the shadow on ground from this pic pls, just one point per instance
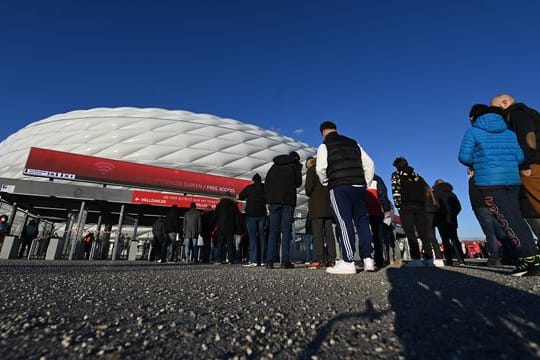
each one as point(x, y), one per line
point(452, 315)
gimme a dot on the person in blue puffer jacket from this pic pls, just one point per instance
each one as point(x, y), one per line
point(494, 154)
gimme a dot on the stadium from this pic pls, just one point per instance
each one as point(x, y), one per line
point(42, 174)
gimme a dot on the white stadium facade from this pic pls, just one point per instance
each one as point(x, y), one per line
point(168, 139)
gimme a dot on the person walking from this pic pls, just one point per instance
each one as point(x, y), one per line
point(255, 212)
point(281, 182)
point(346, 169)
point(494, 154)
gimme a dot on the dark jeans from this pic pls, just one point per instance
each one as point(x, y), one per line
point(323, 233)
point(349, 205)
point(226, 249)
point(503, 203)
point(451, 243)
point(165, 246)
point(430, 216)
point(281, 219)
point(492, 230)
point(376, 224)
point(255, 228)
point(414, 216)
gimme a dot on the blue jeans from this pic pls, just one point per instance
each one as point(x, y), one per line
point(191, 243)
point(281, 219)
point(349, 204)
point(308, 246)
point(493, 231)
point(255, 228)
point(503, 203)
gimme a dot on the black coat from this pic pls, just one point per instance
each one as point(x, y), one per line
point(282, 180)
point(319, 196)
point(227, 216)
point(172, 220)
point(255, 202)
point(449, 206)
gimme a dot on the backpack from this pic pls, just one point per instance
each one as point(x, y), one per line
point(535, 115)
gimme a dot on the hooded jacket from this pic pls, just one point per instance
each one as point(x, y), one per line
point(492, 151)
point(282, 179)
point(253, 194)
point(525, 122)
point(408, 188)
point(449, 206)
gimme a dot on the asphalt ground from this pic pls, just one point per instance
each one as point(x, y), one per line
point(140, 310)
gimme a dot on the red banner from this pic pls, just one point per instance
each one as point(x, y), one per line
point(68, 166)
point(165, 199)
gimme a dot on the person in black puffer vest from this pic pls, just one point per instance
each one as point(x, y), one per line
point(347, 169)
point(280, 185)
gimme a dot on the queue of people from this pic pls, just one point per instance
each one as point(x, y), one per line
point(348, 201)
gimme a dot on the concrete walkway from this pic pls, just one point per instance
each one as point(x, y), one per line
point(141, 310)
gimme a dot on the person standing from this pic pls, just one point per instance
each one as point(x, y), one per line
point(227, 218)
point(172, 229)
point(192, 228)
point(321, 218)
point(159, 235)
point(494, 154)
point(281, 182)
point(255, 211)
point(29, 233)
point(446, 220)
point(346, 169)
point(379, 209)
point(525, 123)
point(409, 191)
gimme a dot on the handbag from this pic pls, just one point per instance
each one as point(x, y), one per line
point(200, 240)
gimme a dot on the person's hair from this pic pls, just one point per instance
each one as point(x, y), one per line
point(400, 163)
point(256, 178)
point(311, 162)
point(193, 205)
point(327, 125)
point(478, 110)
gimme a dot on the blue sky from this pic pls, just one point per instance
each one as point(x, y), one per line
point(398, 76)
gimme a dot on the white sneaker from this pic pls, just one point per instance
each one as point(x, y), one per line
point(369, 264)
point(438, 262)
point(342, 267)
point(414, 263)
point(250, 264)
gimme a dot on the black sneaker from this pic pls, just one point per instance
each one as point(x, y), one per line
point(526, 264)
point(269, 265)
point(287, 265)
